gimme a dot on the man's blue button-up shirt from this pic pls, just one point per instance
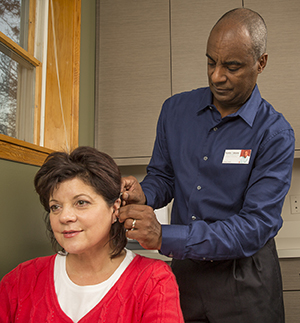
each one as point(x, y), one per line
point(223, 208)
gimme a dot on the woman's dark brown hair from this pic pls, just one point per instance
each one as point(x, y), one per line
point(96, 169)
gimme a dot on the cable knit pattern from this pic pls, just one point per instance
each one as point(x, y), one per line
point(146, 292)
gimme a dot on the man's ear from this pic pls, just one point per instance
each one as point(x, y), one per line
point(262, 62)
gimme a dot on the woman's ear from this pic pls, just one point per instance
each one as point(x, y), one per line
point(116, 207)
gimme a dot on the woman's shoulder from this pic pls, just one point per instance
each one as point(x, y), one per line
point(144, 277)
point(29, 270)
point(23, 287)
point(146, 261)
point(36, 264)
point(149, 268)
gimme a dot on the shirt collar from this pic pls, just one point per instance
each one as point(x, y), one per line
point(247, 112)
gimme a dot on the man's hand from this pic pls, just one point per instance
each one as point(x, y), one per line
point(132, 192)
point(142, 225)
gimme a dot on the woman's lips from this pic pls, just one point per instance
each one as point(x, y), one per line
point(71, 233)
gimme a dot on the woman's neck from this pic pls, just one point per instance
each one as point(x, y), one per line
point(91, 269)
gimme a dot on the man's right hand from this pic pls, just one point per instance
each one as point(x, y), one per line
point(132, 192)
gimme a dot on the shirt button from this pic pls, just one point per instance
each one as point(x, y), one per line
point(205, 158)
point(193, 217)
point(199, 187)
point(210, 108)
point(215, 129)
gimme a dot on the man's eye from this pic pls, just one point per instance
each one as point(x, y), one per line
point(233, 69)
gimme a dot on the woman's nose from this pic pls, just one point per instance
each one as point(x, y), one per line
point(67, 215)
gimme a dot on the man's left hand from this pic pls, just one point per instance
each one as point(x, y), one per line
point(142, 225)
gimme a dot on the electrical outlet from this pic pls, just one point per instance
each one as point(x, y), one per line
point(295, 204)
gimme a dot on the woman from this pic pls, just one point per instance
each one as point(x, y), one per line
point(92, 277)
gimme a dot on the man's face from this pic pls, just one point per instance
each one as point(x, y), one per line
point(232, 70)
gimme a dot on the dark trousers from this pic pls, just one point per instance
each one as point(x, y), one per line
point(232, 291)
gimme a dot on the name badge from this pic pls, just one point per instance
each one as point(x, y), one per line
point(236, 156)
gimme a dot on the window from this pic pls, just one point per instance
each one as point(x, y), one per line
point(14, 20)
point(17, 73)
point(17, 77)
point(37, 115)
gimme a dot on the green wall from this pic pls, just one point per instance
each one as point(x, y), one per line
point(22, 229)
point(87, 73)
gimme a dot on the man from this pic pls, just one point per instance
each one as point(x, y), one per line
point(225, 213)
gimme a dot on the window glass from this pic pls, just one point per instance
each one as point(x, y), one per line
point(17, 75)
point(8, 95)
point(16, 95)
point(14, 20)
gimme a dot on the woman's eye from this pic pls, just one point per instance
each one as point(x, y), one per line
point(82, 203)
point(54, 208)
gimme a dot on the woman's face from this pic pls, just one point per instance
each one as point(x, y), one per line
point(80, 218)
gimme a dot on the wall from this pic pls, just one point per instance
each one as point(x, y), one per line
point(87, 72)
point(288, 238)
point(22, 230)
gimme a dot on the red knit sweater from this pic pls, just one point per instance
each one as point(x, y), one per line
point(145, 292)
